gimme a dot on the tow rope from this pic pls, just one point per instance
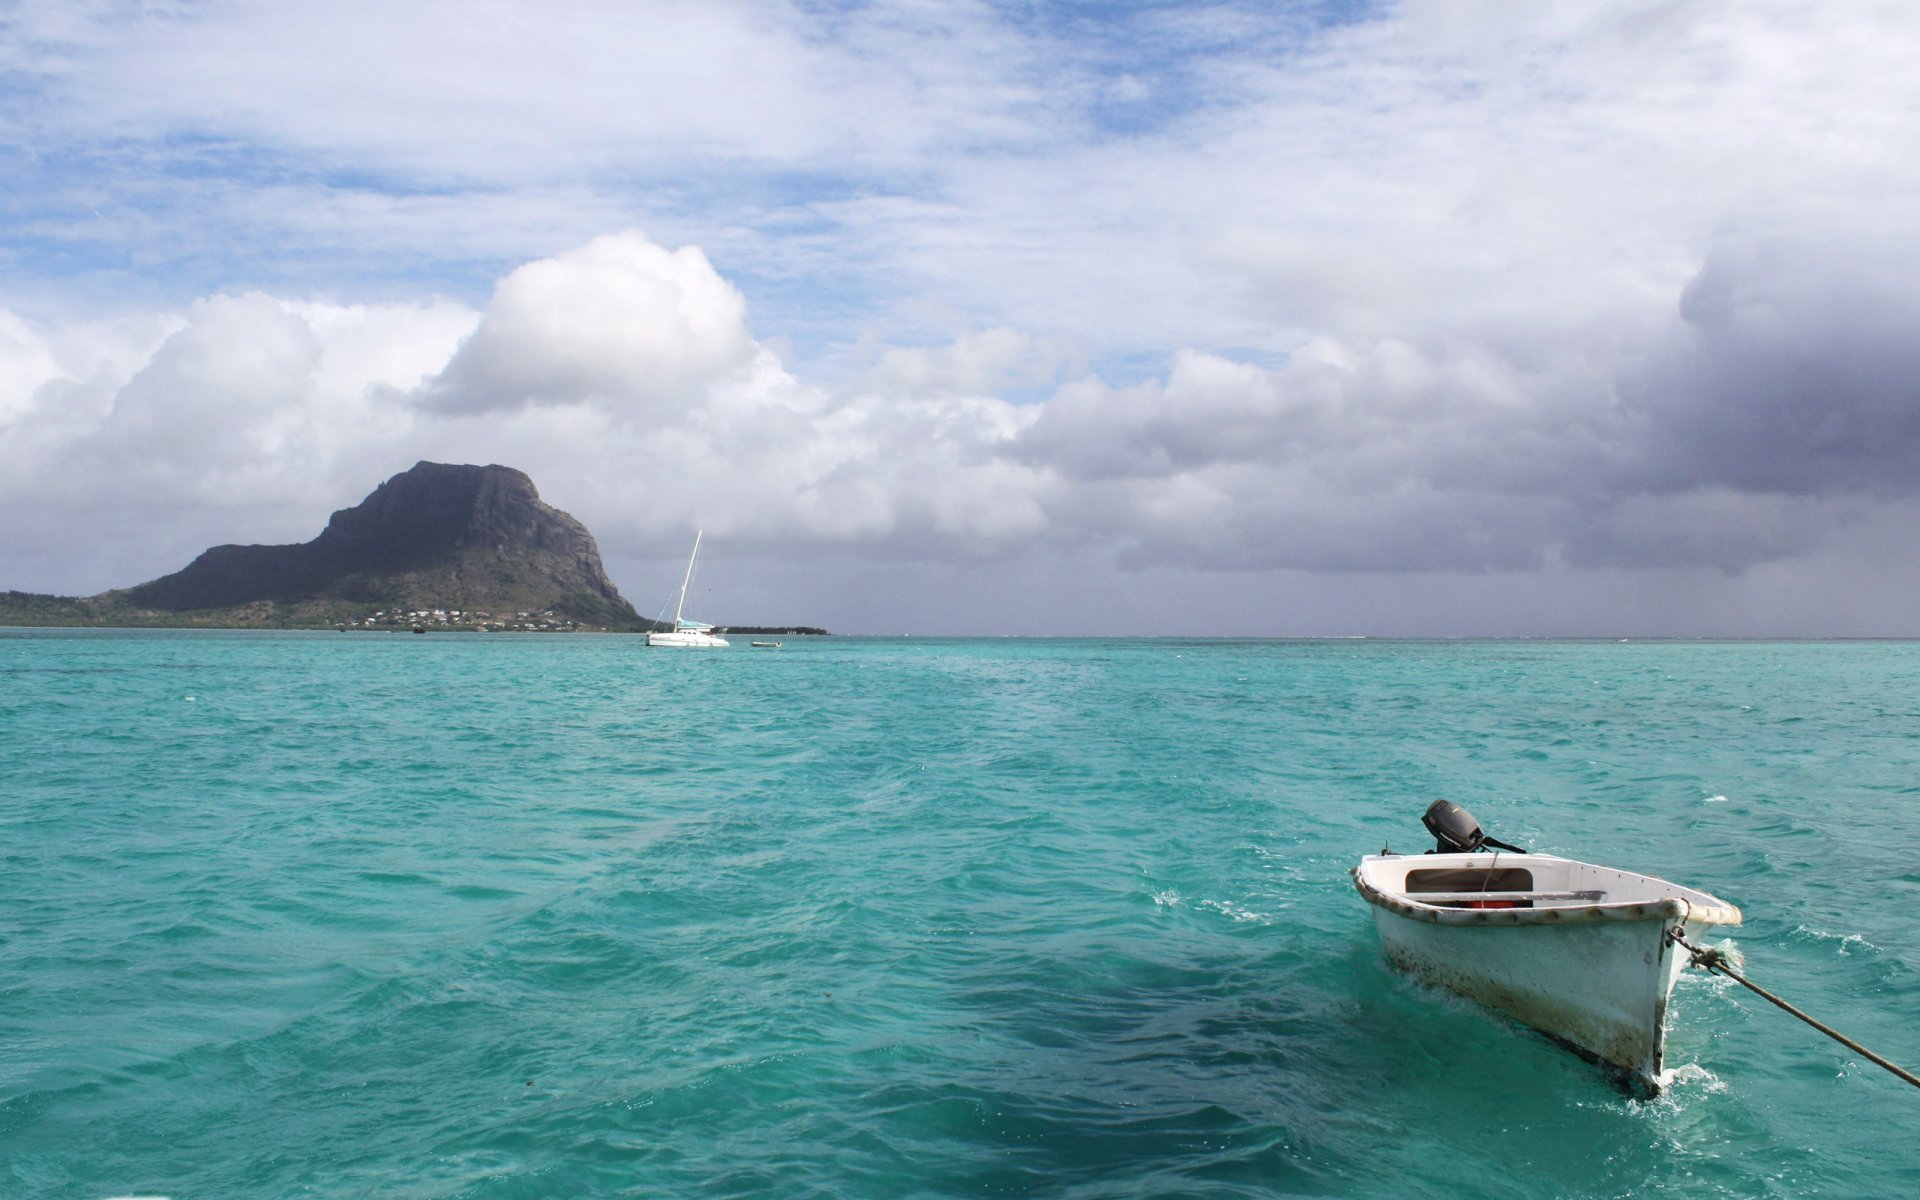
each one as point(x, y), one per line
point(1714, 960)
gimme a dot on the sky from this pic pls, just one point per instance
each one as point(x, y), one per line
point(1431, 318)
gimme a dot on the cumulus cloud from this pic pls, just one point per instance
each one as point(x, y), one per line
point(1794, 372)
point(137, 443)
point(977, 362)
point(619, 321)
point(637, 360)
point(26, 363)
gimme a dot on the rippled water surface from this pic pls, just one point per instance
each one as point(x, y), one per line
point(294, 915)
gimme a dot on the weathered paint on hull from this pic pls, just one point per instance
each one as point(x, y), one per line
point(1576, 950)
point(1599, 987)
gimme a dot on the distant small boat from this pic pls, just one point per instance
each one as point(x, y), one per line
point(766, 645)
point(693, 635)
point(1582, 953)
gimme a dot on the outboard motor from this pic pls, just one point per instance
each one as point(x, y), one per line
point(1456, 832)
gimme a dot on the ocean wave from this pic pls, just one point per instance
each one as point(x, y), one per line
point(1843, 942)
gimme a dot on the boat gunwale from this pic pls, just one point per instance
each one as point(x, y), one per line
point(1666, 909)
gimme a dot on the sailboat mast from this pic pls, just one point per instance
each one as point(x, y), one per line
point(688, 581)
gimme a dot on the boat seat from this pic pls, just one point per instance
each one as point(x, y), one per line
point(1461, 897)
point(1430, 880)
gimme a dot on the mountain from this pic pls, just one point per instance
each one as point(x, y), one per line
point(438, 536)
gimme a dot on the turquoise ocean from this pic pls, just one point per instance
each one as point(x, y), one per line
point(363, 915)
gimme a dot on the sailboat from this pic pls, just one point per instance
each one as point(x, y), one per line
point(695, 635)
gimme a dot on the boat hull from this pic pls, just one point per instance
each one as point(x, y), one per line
point(1594, 976)
point(1600, 988)
point(687, 640)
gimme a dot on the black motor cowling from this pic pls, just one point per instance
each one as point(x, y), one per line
point(1456, 832)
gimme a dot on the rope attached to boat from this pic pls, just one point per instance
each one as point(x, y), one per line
point(1714, 960)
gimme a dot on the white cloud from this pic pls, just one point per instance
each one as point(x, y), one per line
point(27, 363)
point(1457, 289)
point(508, 91)
point(977, 362)
point(242, 418)
point(620, 320)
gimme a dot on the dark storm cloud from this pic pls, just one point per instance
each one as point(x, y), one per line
point(1798, 372)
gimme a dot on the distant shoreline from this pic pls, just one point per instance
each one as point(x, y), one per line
point(7, 624)
point(33, 610)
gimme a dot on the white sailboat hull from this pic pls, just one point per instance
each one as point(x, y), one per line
point(689, 639)
point(1577, 951)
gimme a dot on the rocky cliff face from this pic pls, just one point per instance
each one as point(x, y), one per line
point(437, 536)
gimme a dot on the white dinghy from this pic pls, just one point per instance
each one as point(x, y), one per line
point(1582, 953)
